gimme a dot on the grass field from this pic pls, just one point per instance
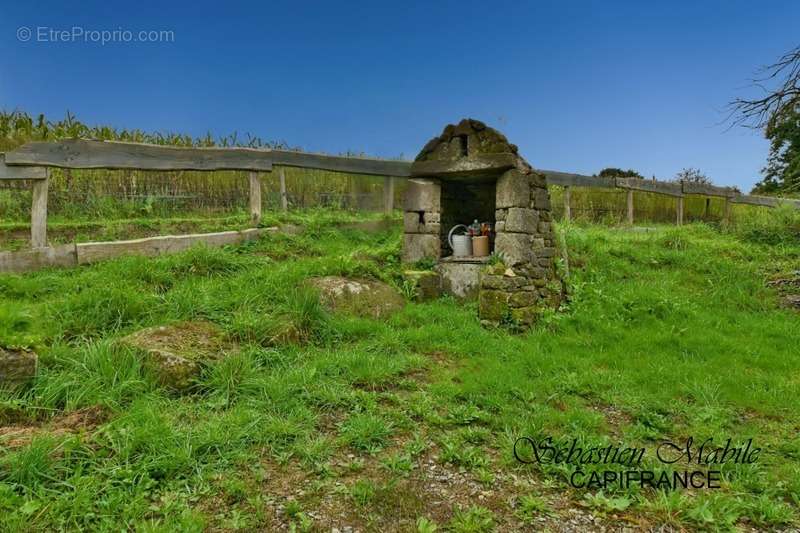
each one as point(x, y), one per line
point(62, 230)
point(407, 423)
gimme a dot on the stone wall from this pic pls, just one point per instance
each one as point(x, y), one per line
point(422, 220)
point(526, 281)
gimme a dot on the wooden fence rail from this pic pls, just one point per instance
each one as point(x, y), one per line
point(30, 162)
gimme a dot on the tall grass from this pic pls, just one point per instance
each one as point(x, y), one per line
point(81, 194)
point(610, 206)
point(774, 226)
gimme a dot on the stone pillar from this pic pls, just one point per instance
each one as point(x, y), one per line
point(525, 282)
point(422, 220)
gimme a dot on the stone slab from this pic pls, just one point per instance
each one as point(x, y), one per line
point(417, 246)
point(422, 195)
point(521, 220)
point(513, 190)
point(460, 279)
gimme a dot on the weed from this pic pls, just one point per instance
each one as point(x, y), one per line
point(603, 503)
point(365, 431)
point(425, 525)
point(474, 519)
point(398, 464)
point(363, 492)
point(530, 506)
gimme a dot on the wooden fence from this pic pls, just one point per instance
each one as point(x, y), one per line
point(31, 161)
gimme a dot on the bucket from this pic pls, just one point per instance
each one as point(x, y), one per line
point(480, 246)
point(461, 244)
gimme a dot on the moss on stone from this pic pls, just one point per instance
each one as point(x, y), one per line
point(176, 353)
point(365, 298)
point(493, 305)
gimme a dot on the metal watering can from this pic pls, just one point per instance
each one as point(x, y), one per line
point(461, 244)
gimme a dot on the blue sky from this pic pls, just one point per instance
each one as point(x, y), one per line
point(577, 85)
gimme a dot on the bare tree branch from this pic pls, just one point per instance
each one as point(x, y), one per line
point(759, 112)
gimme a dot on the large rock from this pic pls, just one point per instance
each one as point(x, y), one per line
point(366, 298)
point(176, 353)
point(17, 367)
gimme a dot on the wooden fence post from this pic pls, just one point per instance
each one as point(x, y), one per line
point(388, 195)
point(726, 214)
point(255, 198)
point(284, 200)
point(680, 211)
point(567, 208)
point(39, 214)
point(630, 205)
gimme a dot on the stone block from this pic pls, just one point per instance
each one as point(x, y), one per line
point(522, 299)
point(513, 190)
point(541, 199)
point(500, 214)
point(514, 247)
point(493, 305)
point(417, 246)
point(545, 252)
point(428, 284)
point(432, 217)
point(526, 315)
point(460, 279)
point(412, 223)
point(521, 220)
point(489, 281)
point(537, 179)
point(17, 367)
point(535, 272)
point(422, 195)
point(544, 227)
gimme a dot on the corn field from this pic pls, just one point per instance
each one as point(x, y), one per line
point(77, 194)
point(91, 194)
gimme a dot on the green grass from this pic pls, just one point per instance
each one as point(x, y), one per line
point(669, 333)
point(15, 235)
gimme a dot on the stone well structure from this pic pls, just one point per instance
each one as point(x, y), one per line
point(471, 172)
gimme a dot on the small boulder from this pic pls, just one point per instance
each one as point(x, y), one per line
point(17, 367)
point(176, 353)
point(427, 284)
point(366, 298)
